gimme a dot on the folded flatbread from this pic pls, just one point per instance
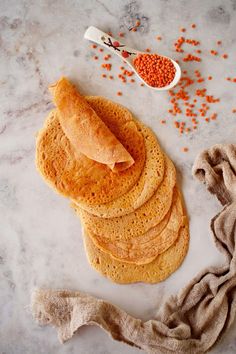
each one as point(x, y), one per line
point(85, 130)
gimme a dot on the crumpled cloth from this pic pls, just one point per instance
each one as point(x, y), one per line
point(191, 321)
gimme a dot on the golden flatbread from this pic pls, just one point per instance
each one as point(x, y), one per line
point(158, 270)
point(76, 176)
point(145, 248)
point(85, 130)
point(150, 178)
point(141, 220)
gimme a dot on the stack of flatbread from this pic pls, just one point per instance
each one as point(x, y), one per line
point(122, 186)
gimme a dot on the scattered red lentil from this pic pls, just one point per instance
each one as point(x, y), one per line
point(148, 50)
point(234, 110)
point(190, 105)
point(178, 44)
point(192, 42)
point(138, 23)
point(106, 66)
point(183, 29)
point(214, 52)
point(93, 46)
point(155, 70)
point(191, 57)
point(121, 34)
point(213, 116)
point(185, 149)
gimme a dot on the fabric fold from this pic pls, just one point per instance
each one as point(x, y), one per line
point(85, 129)
point(191, 321)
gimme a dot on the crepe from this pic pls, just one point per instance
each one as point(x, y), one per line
point(145, 248)
point(141, 220)
point(85, 129)
point(150, 179)
point(76, 176)
point(157, 270)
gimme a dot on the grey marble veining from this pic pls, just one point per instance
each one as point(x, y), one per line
point(40, 237)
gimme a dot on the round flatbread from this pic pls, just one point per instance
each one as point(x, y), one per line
point(158, 270)
point(145, 248)
point(84, 180)
point(141, 220)
point(150, 179)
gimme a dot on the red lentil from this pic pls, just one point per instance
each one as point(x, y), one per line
point(183, 29)
point(193, 25)
point(191, 57)
point(225, 56)
point(93, 46)
point(119, 93)
point(219, 42)
point(159, 38)
point(214, 52)
point(95, 57)
point(121, 34)
point(163, 121)
point(155, 70)
point(185, 149)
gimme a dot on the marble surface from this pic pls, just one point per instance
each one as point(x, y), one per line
point(40, 237)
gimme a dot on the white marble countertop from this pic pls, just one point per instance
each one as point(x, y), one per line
point(40, 237)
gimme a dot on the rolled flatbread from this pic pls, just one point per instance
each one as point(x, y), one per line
point(85, 129)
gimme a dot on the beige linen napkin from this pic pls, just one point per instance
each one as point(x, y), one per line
point(190, 322)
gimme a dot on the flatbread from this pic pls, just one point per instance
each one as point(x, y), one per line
point(141, 220)
point(85, 130)
point(76, 176)
point(145, 248)
point(150, 179)
point(158, 270)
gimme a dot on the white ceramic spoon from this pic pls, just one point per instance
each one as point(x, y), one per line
point(127, 54)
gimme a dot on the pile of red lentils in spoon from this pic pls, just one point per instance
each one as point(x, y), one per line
point(190, 103)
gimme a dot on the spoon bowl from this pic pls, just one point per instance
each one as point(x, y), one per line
point(127, 54)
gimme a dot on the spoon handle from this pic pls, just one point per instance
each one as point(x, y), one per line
point(114, 45)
